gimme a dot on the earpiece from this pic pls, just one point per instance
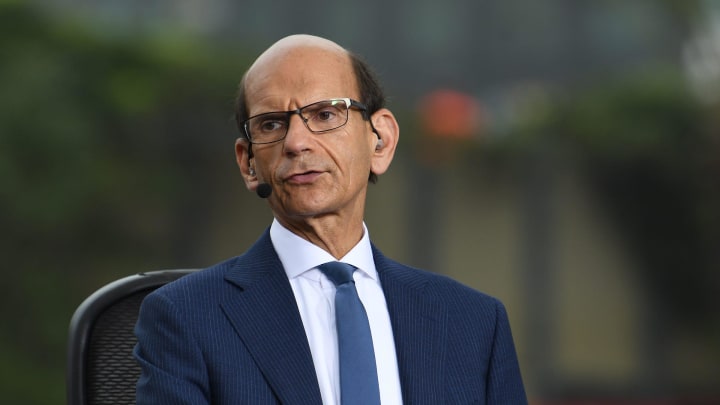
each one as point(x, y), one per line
point(379, 144)
point(251, 170)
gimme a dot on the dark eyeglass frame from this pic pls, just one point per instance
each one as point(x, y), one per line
point(349, 103)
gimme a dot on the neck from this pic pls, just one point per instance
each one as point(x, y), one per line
point(330, 233)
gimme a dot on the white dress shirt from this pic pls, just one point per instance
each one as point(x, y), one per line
point(315, 296)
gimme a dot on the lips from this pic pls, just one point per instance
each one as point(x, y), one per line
point(306, 177)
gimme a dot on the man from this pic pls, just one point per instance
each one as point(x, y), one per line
point(261, 328)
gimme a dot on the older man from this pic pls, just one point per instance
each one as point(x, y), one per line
point(313, 313)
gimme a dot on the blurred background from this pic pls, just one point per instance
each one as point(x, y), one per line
point(563, 156)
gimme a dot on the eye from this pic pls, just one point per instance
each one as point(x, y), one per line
point(269, 124)
point(325, 113)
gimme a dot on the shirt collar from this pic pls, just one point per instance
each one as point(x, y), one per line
point(297, 255)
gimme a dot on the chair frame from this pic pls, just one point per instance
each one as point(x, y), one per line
point(83, 321)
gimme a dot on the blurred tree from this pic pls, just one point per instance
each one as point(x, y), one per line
point(106, 148)
point(653, 157)
point(651, 154)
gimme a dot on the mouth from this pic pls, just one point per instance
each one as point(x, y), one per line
point(301, 178)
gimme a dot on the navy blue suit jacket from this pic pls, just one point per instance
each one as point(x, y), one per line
point(232, 334)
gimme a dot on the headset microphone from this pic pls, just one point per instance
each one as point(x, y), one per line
point(263, 190)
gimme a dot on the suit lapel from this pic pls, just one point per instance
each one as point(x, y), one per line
point(265, 315)
point(419, 327)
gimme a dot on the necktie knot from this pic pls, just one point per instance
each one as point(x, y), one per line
point(338, 272)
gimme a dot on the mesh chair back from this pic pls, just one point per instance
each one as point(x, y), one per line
point(101, 368)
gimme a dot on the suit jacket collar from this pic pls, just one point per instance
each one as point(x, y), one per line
point(266, 317)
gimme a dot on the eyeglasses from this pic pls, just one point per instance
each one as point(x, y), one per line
point(319, 117)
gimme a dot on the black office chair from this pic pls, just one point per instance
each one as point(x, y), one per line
point(101, 368)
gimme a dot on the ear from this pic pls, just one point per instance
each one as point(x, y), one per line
point(388, 131)
point(245, 163)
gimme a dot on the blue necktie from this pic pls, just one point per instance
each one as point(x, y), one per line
point(358, 374)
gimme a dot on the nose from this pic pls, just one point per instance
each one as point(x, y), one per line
point(298, 138)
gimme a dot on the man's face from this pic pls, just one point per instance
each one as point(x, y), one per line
point(312, 175)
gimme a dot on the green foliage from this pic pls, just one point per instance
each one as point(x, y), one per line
point(642, 115)
point(649, 150)
point(93, 172)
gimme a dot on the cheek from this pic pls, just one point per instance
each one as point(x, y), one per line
point(359, 166)
point(267, 160)
point(359, 149)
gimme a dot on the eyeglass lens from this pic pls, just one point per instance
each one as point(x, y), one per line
point(318, 117)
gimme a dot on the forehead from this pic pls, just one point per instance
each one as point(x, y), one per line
point(292, 77)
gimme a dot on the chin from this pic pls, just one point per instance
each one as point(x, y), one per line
point(305, 207)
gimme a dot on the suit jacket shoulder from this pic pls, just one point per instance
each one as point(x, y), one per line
point(229, 334)
point(453, 343)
